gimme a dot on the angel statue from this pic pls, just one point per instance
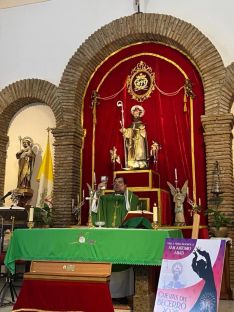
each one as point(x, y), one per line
point(154, 149)
point(114, 157)
point(178, 199)
point(94, 196)
point(76, 209)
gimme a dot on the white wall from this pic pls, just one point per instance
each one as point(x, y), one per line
point(38, 40)
point(25, 123)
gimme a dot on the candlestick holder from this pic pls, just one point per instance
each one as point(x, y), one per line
point(90, 223)
point(194, 207)
point(155, 225)
point(30, 224)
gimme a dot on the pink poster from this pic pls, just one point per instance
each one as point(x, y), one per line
point(191, 275)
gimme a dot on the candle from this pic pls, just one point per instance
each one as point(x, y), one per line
point(83, 195)
point(94, 178)
point(155, 213)
point(175, 174)
point(187, 191)
point(199, 201)
point(31, 213)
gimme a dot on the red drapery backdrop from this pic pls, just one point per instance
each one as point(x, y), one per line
point(165, 118)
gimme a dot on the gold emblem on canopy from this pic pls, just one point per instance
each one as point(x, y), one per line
point(141, 82)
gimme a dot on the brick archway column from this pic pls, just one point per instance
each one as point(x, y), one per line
point(218, 140)
point(4, 139)
point(67, 160)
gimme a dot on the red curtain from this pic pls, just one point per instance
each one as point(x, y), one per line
point(165, 118)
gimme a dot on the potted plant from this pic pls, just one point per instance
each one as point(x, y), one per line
point(42, 217)
point(219, 220)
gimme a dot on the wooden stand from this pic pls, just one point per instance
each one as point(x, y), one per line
point(79, 271)
point(66, 286)
point(144, 178)
point(146, 185)
point(226, 292)
point(196, 223)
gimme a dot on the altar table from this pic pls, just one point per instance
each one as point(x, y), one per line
point(118, 246)
point(140, 247)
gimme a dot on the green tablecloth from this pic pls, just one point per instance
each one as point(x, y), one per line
point(118, 246)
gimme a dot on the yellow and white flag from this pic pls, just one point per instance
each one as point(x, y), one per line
point(45, 178)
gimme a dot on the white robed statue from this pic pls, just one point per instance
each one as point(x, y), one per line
point(135, 139)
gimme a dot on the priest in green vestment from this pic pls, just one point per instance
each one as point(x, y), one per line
point(112, 208)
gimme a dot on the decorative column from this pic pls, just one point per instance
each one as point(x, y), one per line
point(146, 278)
point(218, 140)
point(3, 151)
point(67, 171)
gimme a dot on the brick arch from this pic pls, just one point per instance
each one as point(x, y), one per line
point(217, 80)
point(28, 91)
point(16, 96)
point(227, 91)
point(137, 28)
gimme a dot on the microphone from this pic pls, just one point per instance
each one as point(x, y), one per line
point(7, 194)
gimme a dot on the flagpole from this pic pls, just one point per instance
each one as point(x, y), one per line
point(45, 177)
point(120, 104)
point(48, 129)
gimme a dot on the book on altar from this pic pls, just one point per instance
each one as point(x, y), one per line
point(139, 214)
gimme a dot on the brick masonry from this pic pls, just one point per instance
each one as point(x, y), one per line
point(66, 102)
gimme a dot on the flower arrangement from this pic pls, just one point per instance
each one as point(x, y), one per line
point(43, 216)
point(219, 218)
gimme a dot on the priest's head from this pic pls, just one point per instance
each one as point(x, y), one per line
point(119, 185)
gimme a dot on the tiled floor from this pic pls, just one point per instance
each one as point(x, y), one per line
point(224, 306)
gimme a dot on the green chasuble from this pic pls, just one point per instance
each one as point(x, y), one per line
point(112, 208)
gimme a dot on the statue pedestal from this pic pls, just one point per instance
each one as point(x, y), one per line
point(23, 195)
point(146, 185)
point(140, 178)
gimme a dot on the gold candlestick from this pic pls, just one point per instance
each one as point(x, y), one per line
point(90, 223)
point(155, 225)
point(30, 224)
